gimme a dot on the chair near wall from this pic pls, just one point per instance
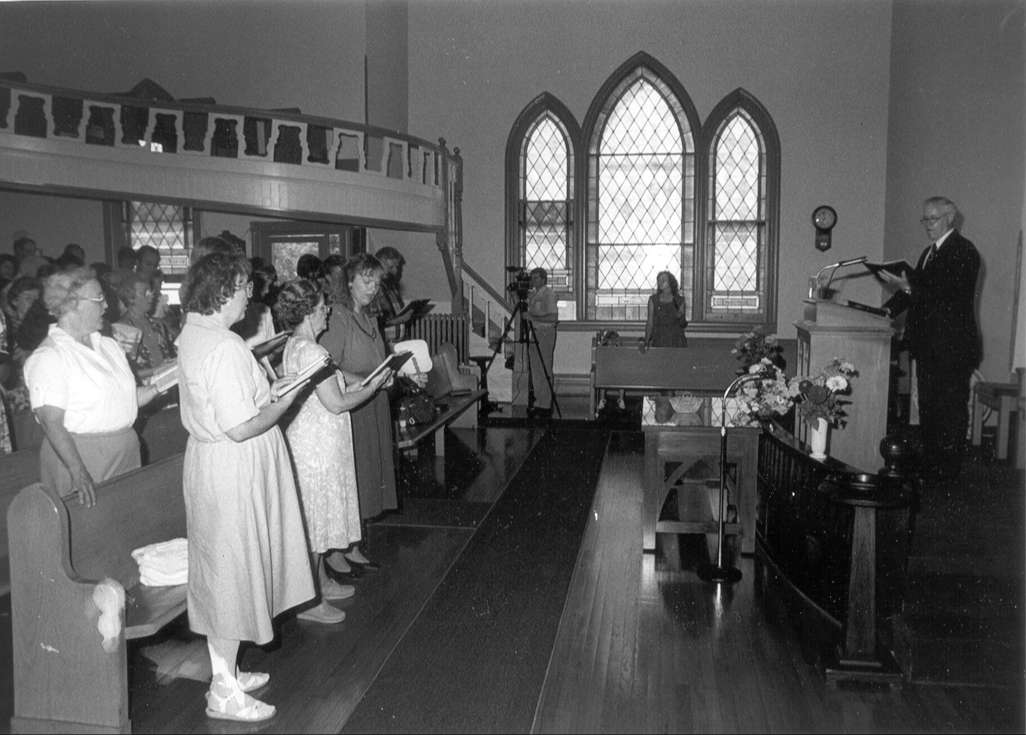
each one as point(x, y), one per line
point(1007, 400)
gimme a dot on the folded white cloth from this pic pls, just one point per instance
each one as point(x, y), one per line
point(164, 563)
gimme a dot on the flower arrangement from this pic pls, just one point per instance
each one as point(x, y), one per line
point(754, 346)
point(819, 396)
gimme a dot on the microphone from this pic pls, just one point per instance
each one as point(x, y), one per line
point(852, 261)
point(833, 269)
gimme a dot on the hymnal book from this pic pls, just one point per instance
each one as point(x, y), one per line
point(392, 362)
point(894, 267)
point(303, 375)
point(165, 377)
point(415, 309)
point(272, 345)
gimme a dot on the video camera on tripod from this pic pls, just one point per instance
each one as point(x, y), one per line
point(520, 283)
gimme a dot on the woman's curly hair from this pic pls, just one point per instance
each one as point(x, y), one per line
point(297, 299)
point(60, 290)
point(211, 282)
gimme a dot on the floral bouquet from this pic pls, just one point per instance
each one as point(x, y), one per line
point(753, 347)
point(770, 393)
point(818, 397)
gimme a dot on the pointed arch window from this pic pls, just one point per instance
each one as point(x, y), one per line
point(739, 263)
point(655, 190)
point(540, 210)
point(641, 170)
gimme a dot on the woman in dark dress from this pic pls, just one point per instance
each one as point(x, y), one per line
point(667, 314)
point(357, 346)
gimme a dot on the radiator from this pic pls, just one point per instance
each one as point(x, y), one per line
point(438, 328)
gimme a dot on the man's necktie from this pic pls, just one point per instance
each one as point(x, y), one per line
point(931, 255)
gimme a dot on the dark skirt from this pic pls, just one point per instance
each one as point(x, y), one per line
point(105, 455)
point(375, 462)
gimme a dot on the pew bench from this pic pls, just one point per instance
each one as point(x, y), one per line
point(17, 470)
point(76, 598)
point(450, 410)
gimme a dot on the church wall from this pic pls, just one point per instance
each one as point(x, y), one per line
point(821, 70)
point(956, 130)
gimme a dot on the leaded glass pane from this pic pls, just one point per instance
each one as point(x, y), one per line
point(736, 255)
point(164, 227)
point(637, 214)
point(737, 172)
point(545, 162)
point(546, 190)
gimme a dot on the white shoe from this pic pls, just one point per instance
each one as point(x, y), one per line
point(227, 701)
point(250, 681)
point(323, 613)
point(332, 590)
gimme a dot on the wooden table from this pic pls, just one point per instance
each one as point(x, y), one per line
point(450, 408)
point(686, 439)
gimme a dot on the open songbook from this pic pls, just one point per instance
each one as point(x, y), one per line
point(392, 362)
point(895, 267)
point(413, 310)
point(303, 375)
point(165, 377)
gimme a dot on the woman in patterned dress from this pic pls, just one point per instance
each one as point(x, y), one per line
point(247, 550)
point(320, 437)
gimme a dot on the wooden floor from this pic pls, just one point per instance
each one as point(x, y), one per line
point(642, 645)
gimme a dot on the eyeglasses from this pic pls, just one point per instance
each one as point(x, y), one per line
point(931, 220)
point(94, 299)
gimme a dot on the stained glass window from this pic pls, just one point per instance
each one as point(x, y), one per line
point(164, 227)
point(736, 269)
point(641, 199)
point(546, 190)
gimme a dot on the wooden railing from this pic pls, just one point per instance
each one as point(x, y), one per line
point(217, 131)
point(842, 566)
point(488, 309)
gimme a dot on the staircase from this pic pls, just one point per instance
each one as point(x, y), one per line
point(963, 620)
point(488, 312)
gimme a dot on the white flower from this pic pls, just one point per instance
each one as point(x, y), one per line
point(837, 383)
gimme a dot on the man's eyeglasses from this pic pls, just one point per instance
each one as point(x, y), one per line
point(94, 299)
point(931, 220)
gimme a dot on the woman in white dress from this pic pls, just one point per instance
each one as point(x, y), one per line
point(320, 437)
point(247, 551)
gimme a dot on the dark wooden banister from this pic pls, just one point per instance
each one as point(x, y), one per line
point(837, 537)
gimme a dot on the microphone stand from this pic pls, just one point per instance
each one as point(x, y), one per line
point(717, 572)
point(820, 292)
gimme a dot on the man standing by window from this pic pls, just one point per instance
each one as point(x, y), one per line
point(942, 334)
point(543, 312)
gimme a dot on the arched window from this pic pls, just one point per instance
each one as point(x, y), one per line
point(656, 191)
point(641, 191)
point(540, 196)
point(739, 259)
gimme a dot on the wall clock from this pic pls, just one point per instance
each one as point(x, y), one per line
point(824, 218)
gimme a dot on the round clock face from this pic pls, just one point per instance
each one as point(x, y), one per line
point(824, 217)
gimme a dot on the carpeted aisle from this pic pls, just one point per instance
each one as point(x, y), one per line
point(475, 658)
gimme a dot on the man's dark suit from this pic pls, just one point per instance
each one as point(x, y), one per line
point(944, 340)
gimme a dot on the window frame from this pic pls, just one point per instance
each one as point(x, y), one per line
point(545, 104)
point(582, 140)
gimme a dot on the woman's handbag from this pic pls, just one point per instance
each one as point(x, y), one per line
point(415, 405)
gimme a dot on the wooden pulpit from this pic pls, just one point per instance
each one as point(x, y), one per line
point(828, 330)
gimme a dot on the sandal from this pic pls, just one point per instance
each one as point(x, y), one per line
point(250, 681)
point(227, 701)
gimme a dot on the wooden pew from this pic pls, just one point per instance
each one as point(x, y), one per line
point(17, 470)
point(64, 557)
point(449, 409)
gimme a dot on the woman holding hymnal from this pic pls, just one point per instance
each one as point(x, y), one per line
point(320, 436)
point(355, 342)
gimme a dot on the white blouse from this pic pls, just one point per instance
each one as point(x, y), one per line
point(94, 386)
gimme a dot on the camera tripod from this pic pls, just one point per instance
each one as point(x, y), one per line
point(526, 339)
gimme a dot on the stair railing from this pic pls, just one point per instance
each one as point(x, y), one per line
point(488, 308)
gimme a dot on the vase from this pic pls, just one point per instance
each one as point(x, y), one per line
point(819, 430)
